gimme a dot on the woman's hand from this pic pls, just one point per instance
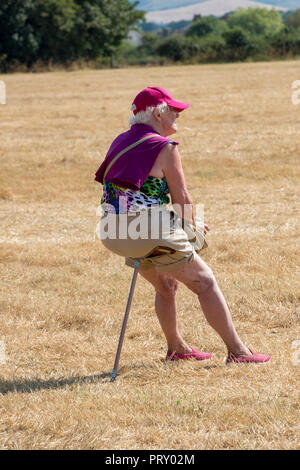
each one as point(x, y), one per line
point(206, 229)
point(201, 226)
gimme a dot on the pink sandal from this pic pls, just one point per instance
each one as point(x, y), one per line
point(199, 356)
point(255, 358)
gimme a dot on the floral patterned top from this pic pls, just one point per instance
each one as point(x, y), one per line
point(119, 200)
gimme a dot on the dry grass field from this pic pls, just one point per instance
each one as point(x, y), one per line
point(63, 294)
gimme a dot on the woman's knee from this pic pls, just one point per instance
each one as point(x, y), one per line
point(203, 281)
point(167, 286)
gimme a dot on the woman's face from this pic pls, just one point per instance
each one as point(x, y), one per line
point(168, 121)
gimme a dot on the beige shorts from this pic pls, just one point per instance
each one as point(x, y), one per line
point(158, 227)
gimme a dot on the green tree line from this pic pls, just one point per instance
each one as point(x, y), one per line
point(68, 31)
point(62, 31)
point(246, 34)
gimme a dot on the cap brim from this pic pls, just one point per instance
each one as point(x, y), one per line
point(178, 105)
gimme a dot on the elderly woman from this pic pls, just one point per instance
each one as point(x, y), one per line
point(142, 169)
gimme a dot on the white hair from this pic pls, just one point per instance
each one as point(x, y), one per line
point(144, 117)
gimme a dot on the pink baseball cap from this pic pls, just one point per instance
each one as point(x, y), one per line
point(153, 96)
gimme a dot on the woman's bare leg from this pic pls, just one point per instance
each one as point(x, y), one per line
point(166, 308)
point(198, 277)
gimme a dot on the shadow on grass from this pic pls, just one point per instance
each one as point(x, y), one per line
point(34, 385)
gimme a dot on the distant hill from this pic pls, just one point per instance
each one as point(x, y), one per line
point(154, 5)
point(205, 8)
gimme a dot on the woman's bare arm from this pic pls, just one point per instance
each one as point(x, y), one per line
point(172, 168)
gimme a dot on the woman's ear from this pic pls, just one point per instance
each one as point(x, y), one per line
point(156, 114)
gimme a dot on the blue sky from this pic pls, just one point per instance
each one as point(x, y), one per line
point(151, 5)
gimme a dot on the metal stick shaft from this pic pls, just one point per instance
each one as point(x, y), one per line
point(118, 354)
